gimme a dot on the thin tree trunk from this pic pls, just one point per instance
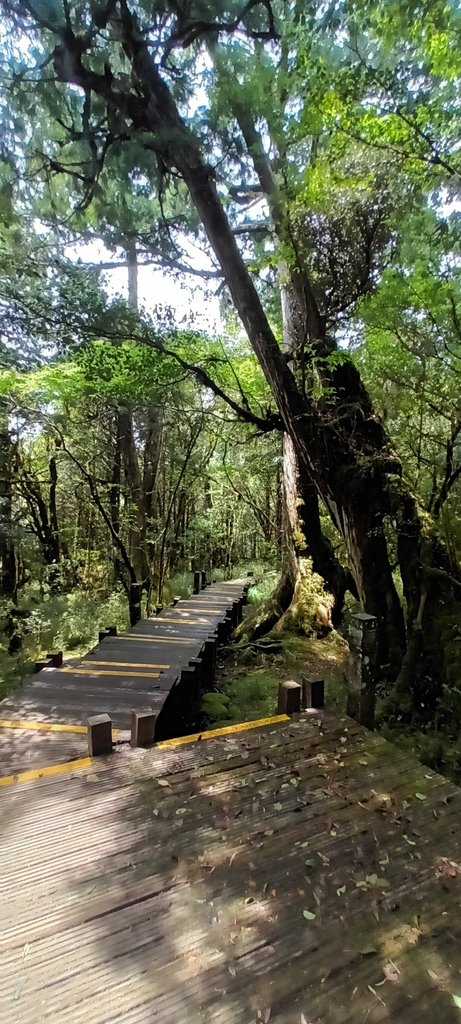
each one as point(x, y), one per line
point(8, 573)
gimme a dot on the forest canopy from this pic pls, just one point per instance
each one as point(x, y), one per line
point(300, 162)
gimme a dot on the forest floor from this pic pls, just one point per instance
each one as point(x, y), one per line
point(248, 677)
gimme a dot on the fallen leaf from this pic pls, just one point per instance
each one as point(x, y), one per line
point(163, 782)
point(391, 972)
point(232, 970)
point(181, 810)
point(368, 951)
point(341, 890)
point(25, 951)
point(420, 796)
point(309, 915)
point(457, 1001)
point(278, 807)
point(432, 974)
point(381, 883)
point(362, 760)
point(449, 868)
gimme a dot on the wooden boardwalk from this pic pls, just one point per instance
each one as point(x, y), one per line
point(158, 664)
point(300, 872)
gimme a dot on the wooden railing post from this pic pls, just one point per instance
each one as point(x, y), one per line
point(99, 735)
point(363, 643)
point(289, 701)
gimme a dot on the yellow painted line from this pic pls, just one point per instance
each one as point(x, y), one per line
point(228, 730)
point(157, 639)
point(13, 723)
point(107, 672)
point(211, 611)
point(51, 769)
point(126, 664)
point(180, 622)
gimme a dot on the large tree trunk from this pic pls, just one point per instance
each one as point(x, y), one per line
point(337, 439)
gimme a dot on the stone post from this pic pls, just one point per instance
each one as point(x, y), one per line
point(363, 643)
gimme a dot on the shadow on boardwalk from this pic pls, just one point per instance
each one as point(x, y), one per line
point(181, 885)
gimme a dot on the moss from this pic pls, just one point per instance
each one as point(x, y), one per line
point(308, 598)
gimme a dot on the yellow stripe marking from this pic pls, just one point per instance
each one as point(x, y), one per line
point(211, 611)
point(16, 723)
point(126, 664)
point(228, 730)
point(13, 723)
point(107, 672)
point(157, 639)
point(51, 769)
point(180, 622)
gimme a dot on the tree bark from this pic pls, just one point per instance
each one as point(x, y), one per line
point(8, 574)
point(338, 440)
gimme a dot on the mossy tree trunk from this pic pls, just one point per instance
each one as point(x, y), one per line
point(338, 441)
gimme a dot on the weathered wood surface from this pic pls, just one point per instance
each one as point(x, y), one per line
point(170, 885)
point(138, 669)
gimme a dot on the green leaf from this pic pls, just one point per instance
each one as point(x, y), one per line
point(381, 883)
point(309, 915)
point(420, 796)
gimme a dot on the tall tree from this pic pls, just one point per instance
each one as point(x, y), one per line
point(130, 70)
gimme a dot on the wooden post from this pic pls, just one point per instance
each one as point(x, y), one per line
point(363, 643)
point(142, 728)
point(289, 702)
point(209, 650)
point(197, 664)
point(158, 609)
point(44, 663)
point(175, 601)
point(55, 658)
point(107, 631)
point(197, 581)
point(99, 735)
point(313, 693)
point(203, 579)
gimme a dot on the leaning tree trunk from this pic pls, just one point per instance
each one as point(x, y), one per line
point(338, 439)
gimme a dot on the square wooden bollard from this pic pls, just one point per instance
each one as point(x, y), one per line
point(289, 702)
point(142, 728)
point(313, 693)
point(55, 658)
point(99, 735)
point(209, 653)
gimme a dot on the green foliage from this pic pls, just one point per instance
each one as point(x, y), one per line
point(67, 622)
